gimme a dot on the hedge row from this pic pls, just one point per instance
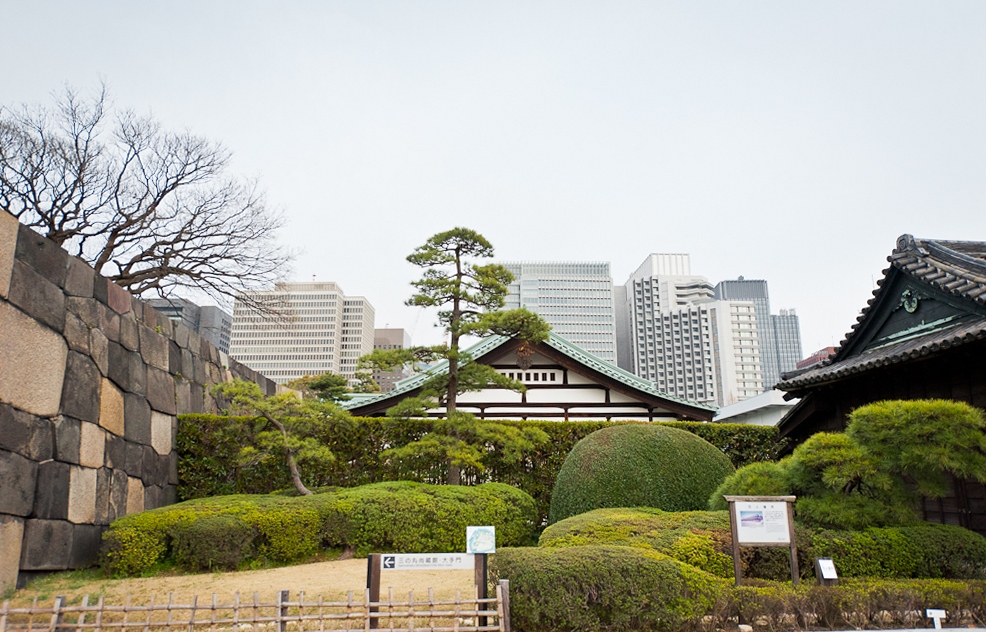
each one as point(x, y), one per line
point(703, 539)
point(616, 588)
point(208, 446)
point(227, 532)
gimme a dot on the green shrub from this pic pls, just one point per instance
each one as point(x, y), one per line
point(402, 516)
point(920, 551)
point(638, 466)
point(602, 588)
point(213, 542)
point(208, 447)
point(755, 479)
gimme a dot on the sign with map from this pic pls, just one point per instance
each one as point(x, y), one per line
point(480, 539)
point(762, 522)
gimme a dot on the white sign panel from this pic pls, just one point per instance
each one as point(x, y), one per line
point(827, 566)
point(480, 539)
point(762, 523)
point(426, 562)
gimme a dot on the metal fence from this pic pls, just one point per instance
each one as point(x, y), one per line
point(436, 615)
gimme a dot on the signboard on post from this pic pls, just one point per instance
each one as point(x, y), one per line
point(426, 562)
point(762, 521)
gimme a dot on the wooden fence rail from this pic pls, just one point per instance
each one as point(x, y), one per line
point(432, 615)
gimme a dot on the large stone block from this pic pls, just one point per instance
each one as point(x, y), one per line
point(99, 289)
point(116, 451)
point(138, 374)
point(137, 419)
point(32, 363)
point(37, 296)
point(119, 365)
point(135, 495)
point(92, 447)
point(174, 358)
point(68, 438)
point(183, 396)
point(161, 432)
point(181, 335)
point(135, 460)
point(11, 536)
point(111, 407)
point(118, 495)
point(18, 478)
point(80, 390)
point(8, 245)
point(129, 337)
point(85, 308)
point(150, 472)
point(99, 350)
point(76, 333)
point(104, 485)
point(169, 496)
point(152, 497)
point(187, 365)
point(161, 391)
point(79, 279)
point(42, 255)
point(117, 298)
point(24, 433)
point(82, 495)
point(154, 348)
point(137, 307)
point(51, 495)
point(109, 322)
point(173, 468)
point(47, 545)
point(85, 545)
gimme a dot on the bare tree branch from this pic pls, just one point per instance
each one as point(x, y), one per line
point(153, 210)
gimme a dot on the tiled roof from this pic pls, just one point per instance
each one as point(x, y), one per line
point(555, 342)
point(955, 267)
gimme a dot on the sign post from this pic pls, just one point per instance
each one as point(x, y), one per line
point(481, 541)
point(762, 521)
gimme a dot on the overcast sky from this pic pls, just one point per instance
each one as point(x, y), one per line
point(788, 141)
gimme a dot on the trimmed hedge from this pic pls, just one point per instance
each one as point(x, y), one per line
point(227, 531)
point(615, 588)
point(603, 588)
point(638, 466)
point(208, 445)
point(703, 539)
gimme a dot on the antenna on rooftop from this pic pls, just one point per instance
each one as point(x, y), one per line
point(313, 278)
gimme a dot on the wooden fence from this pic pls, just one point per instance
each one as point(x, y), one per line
point(284, 615)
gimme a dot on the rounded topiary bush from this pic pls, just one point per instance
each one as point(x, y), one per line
point(638, 465)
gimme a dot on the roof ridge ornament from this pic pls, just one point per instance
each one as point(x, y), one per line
point(906, 243)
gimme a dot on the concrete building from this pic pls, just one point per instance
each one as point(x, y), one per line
point(576, 298)
point(787, 340)
point(391, 339)
point(208, 321)
point(779, 334)
point(312, 329)
point(682, 339)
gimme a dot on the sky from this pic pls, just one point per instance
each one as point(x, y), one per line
point(788, 141)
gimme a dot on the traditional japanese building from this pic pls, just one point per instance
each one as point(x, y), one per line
point(921, 336)
point(563, 382)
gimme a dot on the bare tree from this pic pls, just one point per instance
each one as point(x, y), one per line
point(151, 209)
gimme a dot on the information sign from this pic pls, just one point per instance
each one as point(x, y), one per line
point(762, 523)
point(426, 561)
point(827, 567)
point(480, 539)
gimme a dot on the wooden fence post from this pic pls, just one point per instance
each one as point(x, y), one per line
point(282, 610)
point(505, 614)
point(373, 585)
point(56, 613)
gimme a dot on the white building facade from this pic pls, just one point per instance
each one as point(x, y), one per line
point(576, 298)
point(311, 329)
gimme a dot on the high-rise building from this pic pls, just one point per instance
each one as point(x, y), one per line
point(310, 329)
point(770, 338)
point(787, 340)
point(686, 342)
point(208, 321)
point(575, 298)
point(391, 339)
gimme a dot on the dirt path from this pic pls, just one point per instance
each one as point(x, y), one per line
point(332, 580)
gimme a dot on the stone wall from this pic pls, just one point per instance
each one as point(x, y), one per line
point(91, 381)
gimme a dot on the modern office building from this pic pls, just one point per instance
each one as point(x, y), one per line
point(576, 298)
point(787, 340)
point(307, 329)
point(780, 348)
point(391, 339)
point(682, 339)
point(208, 321)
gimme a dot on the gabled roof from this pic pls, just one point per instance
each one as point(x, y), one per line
point(956, 270)
point(407, 386)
